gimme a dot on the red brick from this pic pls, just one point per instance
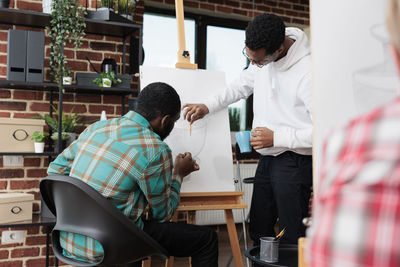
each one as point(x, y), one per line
point(24, 184)
point(35, 240)
point(277, 10)
point(39, 107)
point(224, 9)
point(300, 21)
point(35, 208)
point(5, 26)
point(113, 39)
point(93, 56)
point(28, 95)
point(1, 161)
point(34, 230)
point(25, 115)
point(12, 105)
point(247, 6)
point(11, 264)
point(299, 7)
point(5, 93)
point(3, 36)
point(96, 65)
point(3, 254)
point(239, 12)
point(285, 5)
point(34, 6)
point(101, 46)
point(68, 97)
point(88, 98)
point(43, 252)
point(36, 262)
point(232, 3)
point(24, 252)
point(36, 173)
point(120, 49)
point(207, 6)
point(97, 109)
point(77, 108)
point(5, 114)
point(291, 13)
point(3, 186)
point(111, 99)
point(191, 4)
point(78, 65)
point(11, 173)
point(70, 54)
point(31, 162)
point(3, 48)
point(94, 37)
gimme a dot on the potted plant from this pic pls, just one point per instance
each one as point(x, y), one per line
point(106, 79)
point(70, 124)
point(67, 24)
point(125, 8)
point(107, 4)
point(39, 140)
point(67, 79)
point(234, 122)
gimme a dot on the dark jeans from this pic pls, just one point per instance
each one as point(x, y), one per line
point(282, 190)
point(184, 240)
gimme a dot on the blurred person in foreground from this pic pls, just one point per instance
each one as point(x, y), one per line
point(356, 212)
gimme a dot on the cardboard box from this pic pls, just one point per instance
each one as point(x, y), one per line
point(15, 207)
point(16, 134)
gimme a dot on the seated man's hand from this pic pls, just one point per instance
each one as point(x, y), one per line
point(194, 112)
point(184, 164)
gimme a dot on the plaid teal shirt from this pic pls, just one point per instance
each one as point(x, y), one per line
point(128, 164)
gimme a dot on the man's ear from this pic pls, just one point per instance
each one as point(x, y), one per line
point(396, 57)
point(164, 120)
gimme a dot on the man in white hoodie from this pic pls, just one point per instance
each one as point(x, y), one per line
point(280, 79)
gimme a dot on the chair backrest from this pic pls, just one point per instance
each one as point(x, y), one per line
point(80, 209)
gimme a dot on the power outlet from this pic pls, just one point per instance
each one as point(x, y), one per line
point(8, 237)
point(12, 161)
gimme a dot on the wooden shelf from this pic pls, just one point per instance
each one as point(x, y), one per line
point(40, 20)
point(68, 88)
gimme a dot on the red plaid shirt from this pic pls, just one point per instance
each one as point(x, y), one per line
point(356, 216)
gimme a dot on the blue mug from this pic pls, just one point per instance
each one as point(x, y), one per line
point(243, 140)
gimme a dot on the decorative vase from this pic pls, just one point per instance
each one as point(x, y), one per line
point(39, 147)
point(106, 82)
point(67, 80)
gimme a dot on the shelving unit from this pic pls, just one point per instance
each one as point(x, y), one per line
point(40, 20)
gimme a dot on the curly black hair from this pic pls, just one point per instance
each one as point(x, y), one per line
point(158, 99)
point(265, 31)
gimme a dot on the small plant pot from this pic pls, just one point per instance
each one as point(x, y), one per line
point(106, 82)
point(67, 80)
point(63, 145)
point(46, 6)
point(39, 147)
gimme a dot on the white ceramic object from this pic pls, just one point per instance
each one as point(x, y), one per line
point(46, 6)
point(106, 82)
point(39, 147)
point(67, 80)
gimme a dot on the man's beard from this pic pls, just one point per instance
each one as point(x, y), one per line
point(166, 131)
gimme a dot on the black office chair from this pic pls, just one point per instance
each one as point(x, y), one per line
point(80, 209)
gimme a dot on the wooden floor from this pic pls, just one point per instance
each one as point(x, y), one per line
point(225, 252)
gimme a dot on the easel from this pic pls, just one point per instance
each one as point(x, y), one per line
point(191, 202)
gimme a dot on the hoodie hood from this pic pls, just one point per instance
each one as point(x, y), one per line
point(299, 49)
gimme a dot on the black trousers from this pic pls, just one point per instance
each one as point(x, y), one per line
point(281, 190)
point(184, 240)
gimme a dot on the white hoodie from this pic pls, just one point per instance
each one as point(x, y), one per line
point(282, 97)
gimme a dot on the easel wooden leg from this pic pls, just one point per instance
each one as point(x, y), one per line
point(230, 223)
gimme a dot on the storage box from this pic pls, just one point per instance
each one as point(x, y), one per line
point(16, 134)
point(15, 207)
point(86, 79)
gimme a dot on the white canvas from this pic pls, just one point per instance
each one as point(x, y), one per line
point(209, 141)
point(353, 71)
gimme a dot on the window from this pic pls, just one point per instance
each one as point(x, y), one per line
point(213, 43)
point(160, 40)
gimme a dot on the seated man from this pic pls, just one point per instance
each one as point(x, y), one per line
point(356, 220)
point(126, 160)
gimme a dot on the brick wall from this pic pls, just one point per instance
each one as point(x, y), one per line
point(25, 104)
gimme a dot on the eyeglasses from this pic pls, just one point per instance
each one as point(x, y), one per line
point(259, 63)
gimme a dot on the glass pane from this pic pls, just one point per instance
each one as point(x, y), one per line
point(224, 53)
point(160, 40)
